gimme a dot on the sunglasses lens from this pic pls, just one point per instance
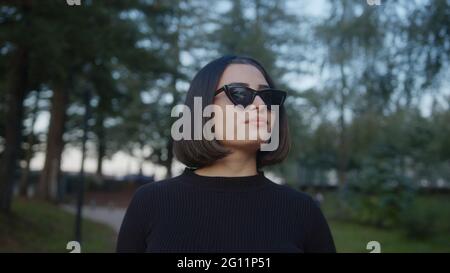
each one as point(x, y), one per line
point(273, 97)
point(240, 95)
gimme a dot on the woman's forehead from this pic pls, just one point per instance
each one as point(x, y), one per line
point(243, 73)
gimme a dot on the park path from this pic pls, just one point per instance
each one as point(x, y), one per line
point(111, 216)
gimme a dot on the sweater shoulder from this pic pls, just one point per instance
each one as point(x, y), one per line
point(157, 187)
point(303, 203)
point(293, 194)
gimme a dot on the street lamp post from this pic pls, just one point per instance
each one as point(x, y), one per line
point(81, 182)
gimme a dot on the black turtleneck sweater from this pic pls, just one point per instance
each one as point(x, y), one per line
point(194, 213)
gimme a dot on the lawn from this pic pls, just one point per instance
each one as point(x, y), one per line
point(36, 226)
point(353, 237)
point(42, 227)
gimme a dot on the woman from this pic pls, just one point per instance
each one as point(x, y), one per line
point(222, 202)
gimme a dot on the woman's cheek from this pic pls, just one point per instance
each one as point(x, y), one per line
point(272, 119)
point(219, 127)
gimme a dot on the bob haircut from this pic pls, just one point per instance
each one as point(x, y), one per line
point(200, 153)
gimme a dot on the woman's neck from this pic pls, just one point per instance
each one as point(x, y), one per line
point(237, 163)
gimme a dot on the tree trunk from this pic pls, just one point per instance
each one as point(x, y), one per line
point(29, 152)
point(342, 150)
point(101, 145)
point(13, 126)
point(48, 182)
point(169, 160)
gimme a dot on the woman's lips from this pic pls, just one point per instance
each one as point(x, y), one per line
point(256, 121)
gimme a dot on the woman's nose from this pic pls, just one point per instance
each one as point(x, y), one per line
point(257, 102)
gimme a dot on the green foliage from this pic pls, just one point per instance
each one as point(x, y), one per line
point(419, 222)
point(351, 236)
point(378, 193)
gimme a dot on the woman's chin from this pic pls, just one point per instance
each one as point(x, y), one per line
point(253, 144)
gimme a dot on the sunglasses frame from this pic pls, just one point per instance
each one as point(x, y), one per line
point(226, 89)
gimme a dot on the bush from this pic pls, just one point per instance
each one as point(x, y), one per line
point(419, 223)
point(378, 194)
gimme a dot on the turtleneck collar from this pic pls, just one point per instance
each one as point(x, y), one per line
point(225, 183)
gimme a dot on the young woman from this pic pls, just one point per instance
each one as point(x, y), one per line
point(222, 202)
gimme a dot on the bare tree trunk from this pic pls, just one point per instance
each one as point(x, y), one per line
point(101, 145)
point(13, 126)
point(169, 160)
point(48, 182)
point(29, 152)
point(342, 151)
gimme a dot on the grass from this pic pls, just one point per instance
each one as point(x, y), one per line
point(42, 227)
point(353, 237)
point(36, 226)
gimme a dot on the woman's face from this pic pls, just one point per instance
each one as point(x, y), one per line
point(254, 120)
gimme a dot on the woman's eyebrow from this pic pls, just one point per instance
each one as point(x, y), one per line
point(238, 83)
point(260, 86)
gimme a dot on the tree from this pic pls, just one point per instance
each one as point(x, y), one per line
point(19, 53)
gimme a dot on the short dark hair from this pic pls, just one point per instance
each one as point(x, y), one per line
point(200, 153)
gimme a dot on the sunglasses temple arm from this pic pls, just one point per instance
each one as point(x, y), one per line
point(220, 90)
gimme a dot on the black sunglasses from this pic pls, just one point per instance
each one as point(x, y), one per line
point(243, 95)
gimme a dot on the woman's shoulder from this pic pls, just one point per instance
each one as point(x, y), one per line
point(157, 187)
point(293, 194)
